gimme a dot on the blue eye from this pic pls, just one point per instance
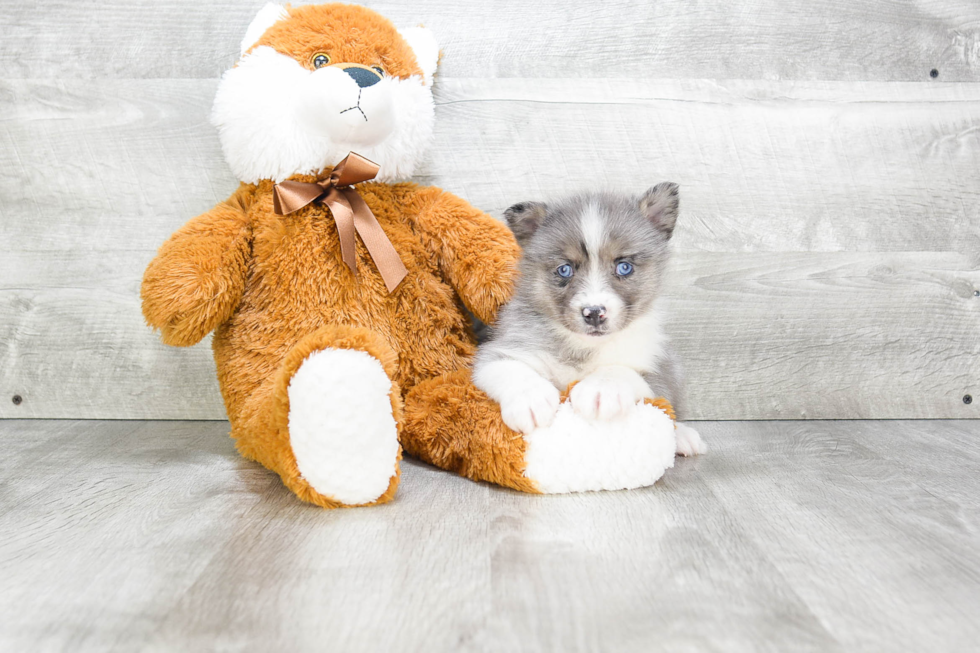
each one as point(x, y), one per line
point(624, 268)
point(565, 271)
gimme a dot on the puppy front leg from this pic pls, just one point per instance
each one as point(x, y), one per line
point(689, 442)
point(609, 392)
point(527, 400)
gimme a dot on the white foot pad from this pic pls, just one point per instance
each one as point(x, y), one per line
point(341, 428)
point(577, 455)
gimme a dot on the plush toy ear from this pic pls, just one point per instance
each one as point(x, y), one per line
point(524, 219)
point(660, 205)
point(423, 44)
point(266, 18)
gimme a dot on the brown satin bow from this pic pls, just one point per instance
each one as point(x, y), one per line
point(349, 212)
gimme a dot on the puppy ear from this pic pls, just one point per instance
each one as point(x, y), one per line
point(524, 219)
point(268, 16)
point(423, 44)
point(660, 205)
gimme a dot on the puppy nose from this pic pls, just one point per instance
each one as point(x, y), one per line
point(594, 315)
point(363, 76)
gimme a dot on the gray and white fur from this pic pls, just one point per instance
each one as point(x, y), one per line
point(586, 310)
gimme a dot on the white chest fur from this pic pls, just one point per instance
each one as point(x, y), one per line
point(639, 347)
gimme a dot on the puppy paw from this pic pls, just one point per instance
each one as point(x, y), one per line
point(689, 442)
point(603, 398)
point(533, 408)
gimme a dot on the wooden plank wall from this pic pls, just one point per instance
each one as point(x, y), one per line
point(828, 255)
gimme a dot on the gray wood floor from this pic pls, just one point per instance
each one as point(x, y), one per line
point(788, 536)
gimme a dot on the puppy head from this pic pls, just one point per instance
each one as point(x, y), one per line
point(318, 81)
point(594, 263)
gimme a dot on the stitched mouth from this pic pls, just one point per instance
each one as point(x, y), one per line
point(357, 106)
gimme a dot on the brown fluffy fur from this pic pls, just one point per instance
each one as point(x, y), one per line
point(275, 289)
point(327, 28)
point(453, 425)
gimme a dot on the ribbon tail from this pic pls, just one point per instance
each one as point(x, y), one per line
point(343, 216)
point(276, 201)
point(290, 196)
point(378, 245)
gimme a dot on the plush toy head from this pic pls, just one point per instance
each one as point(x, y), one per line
point(318, 81)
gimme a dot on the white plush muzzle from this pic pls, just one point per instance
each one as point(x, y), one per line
point(330, 103)
point(276, 118)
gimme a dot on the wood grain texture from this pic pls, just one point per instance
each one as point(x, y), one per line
point(763, 166)
point(769, 166)
point(784, 336)
point(803, 536)
point(798, 336)
point(881, 40)
point(815, 216)
point(858, 479)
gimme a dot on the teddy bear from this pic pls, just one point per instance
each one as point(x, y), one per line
point(336, 289)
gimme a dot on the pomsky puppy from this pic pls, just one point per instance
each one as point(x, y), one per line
point(586, 310)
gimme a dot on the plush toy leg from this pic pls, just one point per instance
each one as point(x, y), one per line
point(335, 412)
point(451, 424)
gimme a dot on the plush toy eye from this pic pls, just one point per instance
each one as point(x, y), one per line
point(565, 271)
point(320, 60)
point(624, 268)
point(379, 70)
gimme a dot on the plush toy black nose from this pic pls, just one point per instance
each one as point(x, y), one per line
point(594, 315)
point(363, 76)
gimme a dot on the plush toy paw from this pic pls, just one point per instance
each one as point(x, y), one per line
point(532, 407)
point(575, 454)
point(341, 427)
point(603, 397)
point(689, 442)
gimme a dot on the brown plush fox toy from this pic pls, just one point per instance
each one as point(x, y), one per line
point(336, 301)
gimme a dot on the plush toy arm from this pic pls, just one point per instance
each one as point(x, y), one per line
point(477, 253)
point(197, 278)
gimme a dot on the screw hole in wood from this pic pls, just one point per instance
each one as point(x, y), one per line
point(18, 400)
point(934, 73)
